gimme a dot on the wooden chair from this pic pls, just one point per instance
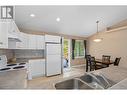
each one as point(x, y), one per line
point(105, 58)
point(87, 62)
point(117, 60)
point(93, 65)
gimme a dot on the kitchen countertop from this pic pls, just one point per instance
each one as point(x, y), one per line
point(115, 73)
point(36, 58)
point(19, 60)
point(15, 79)
point(121, 85)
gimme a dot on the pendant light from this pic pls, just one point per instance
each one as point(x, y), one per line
point(97, 38)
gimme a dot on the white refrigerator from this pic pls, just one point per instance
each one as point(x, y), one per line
point(53, 59)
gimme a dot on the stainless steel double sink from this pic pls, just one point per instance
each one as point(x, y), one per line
point(87, 81)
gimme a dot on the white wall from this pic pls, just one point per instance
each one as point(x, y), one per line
point(114, 44)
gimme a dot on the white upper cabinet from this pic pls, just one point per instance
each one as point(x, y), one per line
point(40, 42)
point(24, 41)
point(32, 41)
point(12, 38)
point(13, 31)
point(51, 38)
point(3, 34)
point(28, 41)
point(14, 35)
point(36, 42)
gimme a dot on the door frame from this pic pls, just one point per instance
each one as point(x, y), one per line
point(69, 50)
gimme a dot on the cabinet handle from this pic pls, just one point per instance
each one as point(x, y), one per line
point(1, 43)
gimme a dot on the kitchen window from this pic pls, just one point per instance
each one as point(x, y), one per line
point(79, 50)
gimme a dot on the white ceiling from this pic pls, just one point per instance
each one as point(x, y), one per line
point(75, 20)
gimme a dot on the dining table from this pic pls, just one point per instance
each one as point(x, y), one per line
point(107, 63)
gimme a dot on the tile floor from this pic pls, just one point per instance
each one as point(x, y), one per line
point(47, 82)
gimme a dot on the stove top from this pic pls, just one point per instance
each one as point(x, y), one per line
point(11, 64)
point(22, 63)
point(16, 66)
point(4, 69)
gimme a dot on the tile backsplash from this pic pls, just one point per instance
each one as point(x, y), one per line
point(28, 53)
point(21, 53)
point(8, 53)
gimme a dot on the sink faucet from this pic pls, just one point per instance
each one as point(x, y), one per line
point(101, 80)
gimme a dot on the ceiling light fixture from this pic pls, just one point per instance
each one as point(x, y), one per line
point(58, 19)
point(32, 15)
point(97, 38)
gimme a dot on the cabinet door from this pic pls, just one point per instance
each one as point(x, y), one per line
point(36, 68)
point(32, 42)
point(43, 66)
point(40, 42)
point(19, 45)
point(13, 32)
point(3, 34)
point(24, 41)
point(32, 68)
point(13, 29)
point(50, 38)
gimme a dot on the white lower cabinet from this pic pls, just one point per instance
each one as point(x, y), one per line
point(36, 68)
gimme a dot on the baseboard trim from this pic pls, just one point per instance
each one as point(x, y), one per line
point(79, 65)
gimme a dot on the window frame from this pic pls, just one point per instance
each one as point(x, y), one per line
point(79, 56)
